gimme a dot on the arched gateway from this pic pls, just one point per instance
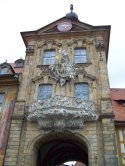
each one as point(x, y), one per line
point(56, 148)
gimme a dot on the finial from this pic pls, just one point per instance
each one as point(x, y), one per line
point(6, 60)
point(71, 8)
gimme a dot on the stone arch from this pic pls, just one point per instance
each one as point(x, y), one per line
point(42, 139)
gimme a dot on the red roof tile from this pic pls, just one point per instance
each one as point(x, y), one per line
point(17, 69)
point(118, 94)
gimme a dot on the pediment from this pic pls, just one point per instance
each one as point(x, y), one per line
point(76, 26)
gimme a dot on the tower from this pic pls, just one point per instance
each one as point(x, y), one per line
point(63, 109)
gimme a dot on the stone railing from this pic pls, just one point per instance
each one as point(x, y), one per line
point(61, 112)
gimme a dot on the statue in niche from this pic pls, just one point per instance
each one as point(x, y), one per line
point(62, 70)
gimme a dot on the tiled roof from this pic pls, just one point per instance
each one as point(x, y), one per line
point(118, 95)
point(17, 69)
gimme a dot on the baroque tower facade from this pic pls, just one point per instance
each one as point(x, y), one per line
point(63, 110)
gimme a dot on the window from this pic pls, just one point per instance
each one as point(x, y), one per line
point(3, 70)
point(48, 57)
point(81, 91)
point(122, 102)
point(1, 100)
point(19, 63)
point(121, 144)
point(80, 55)
point(44, 91)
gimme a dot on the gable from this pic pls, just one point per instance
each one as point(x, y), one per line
point(76, 26)
point(52, 28)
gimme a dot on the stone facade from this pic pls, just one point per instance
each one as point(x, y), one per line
point(96, 137)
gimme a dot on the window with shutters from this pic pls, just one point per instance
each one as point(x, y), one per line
point(80, 55)
point(49, 57)
point(1, 100)
point(120, 132)
point(81, 90)
point(44, 91)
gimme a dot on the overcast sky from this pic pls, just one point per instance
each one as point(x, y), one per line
point(27, 15)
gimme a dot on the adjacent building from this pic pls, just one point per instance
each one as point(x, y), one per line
point(118, 104)
point(9, 86)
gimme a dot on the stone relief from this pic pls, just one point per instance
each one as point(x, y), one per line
point(61, 112)
point(63, 70)
point(48, 43)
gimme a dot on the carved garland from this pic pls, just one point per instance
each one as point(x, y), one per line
point(60, 113)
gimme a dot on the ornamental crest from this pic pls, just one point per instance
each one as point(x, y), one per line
point(62, 69)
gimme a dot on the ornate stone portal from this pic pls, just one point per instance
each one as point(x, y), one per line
point(60, 113)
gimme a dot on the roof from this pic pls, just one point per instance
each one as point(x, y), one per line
point(14, 68)
point(17, 69)
point(78, 27)
point(118, 95)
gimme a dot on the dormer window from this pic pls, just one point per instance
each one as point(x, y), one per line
point(3, 70)
point(19, 63)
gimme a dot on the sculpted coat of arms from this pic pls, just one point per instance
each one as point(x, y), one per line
point(62, 69)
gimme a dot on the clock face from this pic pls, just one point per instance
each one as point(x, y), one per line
point(64, 26)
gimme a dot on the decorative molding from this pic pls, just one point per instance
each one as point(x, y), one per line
point(30, 49)
point(100, 48)
point(61, 113)
point(80, 42)
point(49, 43)
point(63, 70)
point(80, 69)
point(107, 115)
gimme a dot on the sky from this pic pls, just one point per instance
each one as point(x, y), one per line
point(26, 15)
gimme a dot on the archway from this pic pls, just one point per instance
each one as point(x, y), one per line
point(61, 148)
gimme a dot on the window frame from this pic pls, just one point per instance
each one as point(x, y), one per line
point(19, 64)
point(2, 69)
point(50, 58)
point(45, 97)
point(119, 142)
point(78, 58)
point(82, 83)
